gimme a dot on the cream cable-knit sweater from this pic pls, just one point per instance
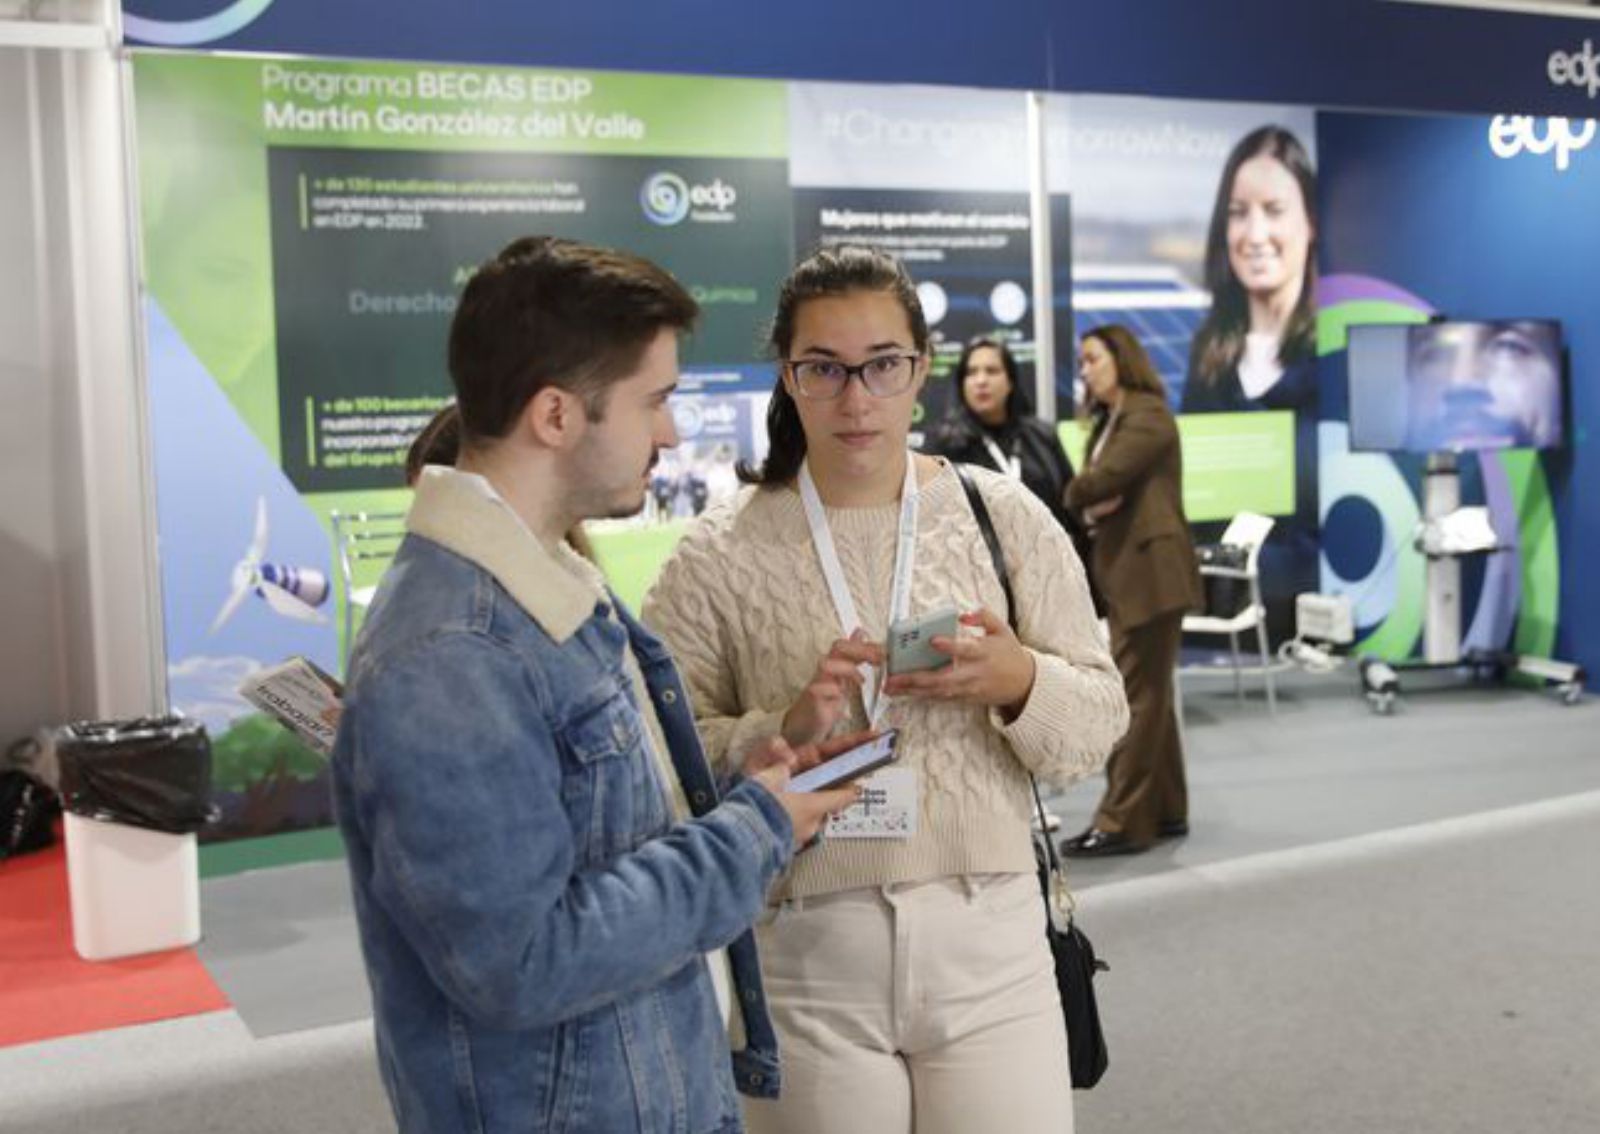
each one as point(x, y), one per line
point(743, 604)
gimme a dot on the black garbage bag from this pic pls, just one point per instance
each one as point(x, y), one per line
point(28, 809)
point(1225, 596)
point(153, 772)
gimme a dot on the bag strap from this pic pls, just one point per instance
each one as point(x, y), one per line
point(980, 512)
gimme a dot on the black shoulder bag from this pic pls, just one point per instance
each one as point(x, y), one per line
point(1074, 956)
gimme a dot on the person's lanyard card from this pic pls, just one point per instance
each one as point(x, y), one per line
point(888, 808)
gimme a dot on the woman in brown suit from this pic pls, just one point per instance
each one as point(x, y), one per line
point(1130, 492)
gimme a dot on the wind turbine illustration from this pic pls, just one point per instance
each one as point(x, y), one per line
point(294, 592)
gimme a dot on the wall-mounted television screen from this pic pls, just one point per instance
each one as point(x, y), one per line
point(1456, 386)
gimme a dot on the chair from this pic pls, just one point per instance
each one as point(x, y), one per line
point(364, 543)
point(1247, 530)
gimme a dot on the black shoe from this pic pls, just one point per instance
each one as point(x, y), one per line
point(1173, 829)
point(1067, 845)
point(1095, 843)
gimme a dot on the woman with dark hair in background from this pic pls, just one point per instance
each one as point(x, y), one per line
point(905, 960)
point(991, 424)
point(439, 443)
point(1257, 347)
point(1130, 491)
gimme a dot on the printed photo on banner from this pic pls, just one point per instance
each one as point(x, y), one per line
point(1195, 225)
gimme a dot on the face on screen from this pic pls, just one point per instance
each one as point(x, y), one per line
point(1483, 386)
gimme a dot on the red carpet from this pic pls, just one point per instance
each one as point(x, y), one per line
point(46, 990)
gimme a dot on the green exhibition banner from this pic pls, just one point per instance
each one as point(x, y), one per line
point(307, 227)
point(309, 223)
point(1232, 462)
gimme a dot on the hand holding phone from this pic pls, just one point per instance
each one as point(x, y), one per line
point(990, 667)
point(849, 765)
point(910, 644)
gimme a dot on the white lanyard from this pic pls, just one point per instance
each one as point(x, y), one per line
point(1011, 466)
point(1105, 435)
point(844, 604)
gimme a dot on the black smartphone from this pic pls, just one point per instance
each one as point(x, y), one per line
point(850, 764)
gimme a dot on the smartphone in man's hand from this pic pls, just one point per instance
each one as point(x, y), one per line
point(849, 765)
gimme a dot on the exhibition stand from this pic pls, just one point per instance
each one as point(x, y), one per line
point(308, 187)
point(356, 193)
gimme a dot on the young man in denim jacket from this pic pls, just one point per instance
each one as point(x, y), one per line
point(539, 855)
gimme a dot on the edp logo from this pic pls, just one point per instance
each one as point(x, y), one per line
point(664, 197)
point(1513, 134)
point(1576, 68)
point(667, 199)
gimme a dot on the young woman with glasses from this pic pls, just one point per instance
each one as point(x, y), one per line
point(905, 956)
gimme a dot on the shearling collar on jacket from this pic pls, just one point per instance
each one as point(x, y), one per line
point(462, 512)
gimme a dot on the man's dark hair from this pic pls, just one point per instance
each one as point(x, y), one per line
point(553, 312)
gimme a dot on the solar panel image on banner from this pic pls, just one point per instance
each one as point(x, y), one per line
point(1162, 308)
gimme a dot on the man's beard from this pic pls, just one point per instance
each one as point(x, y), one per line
point(613, 509)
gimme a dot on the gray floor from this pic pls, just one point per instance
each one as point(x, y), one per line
point(1378, 924)
point(1441, 981)
point(282, 945)
point(200, 1075)
point(1375, 924)
point(1327, 768)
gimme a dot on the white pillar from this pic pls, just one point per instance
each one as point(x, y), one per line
point(1044, 305)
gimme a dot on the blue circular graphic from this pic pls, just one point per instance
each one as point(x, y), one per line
point(1352, 534)
point(688, 419)
point(188, 33)
point(664, 198)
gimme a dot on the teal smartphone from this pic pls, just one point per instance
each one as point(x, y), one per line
point(910, 641)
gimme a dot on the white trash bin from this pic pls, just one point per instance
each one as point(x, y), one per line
point(133, 891)
point(134, 793)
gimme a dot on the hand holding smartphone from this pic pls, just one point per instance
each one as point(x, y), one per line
point(910, 644)
point(849, 765)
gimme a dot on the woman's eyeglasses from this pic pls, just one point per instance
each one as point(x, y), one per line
point(883, 376)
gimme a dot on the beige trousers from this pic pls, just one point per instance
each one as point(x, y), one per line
point(929, 1008)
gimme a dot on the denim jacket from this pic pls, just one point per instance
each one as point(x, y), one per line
point(533, 923)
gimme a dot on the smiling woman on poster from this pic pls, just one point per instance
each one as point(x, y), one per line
point(1257, 347)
